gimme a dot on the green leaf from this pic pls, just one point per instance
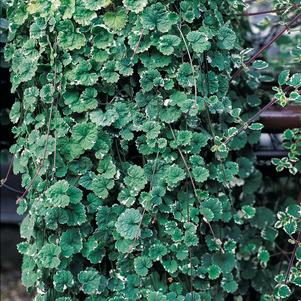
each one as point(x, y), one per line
point(156, 296)
point(76, 214)
point(246, 167)
point(85, 134)
point(199, 41)
point(150, 79)
point(82, 15)
point(225, 261)
point(263, 255)
point(170, 265)
point(54, 217)
point(102, 37)
point(230, 286)
point(81, 75)
point(90, 280)
point(56, 195)
point(156, 251)
point(295, 96)
point(115, 20)
point(128, 224)
point(290, 227)
point(68, 38)
point(168, 43)
point(101, 186)
point(108, 73)
point(156, 17)
point(174, 174)
point(71, 242)
point(213, 271)
point(24, 66)
point(249, 211)
point(97, 4)
point(295, 80)
point(283, 77)
point(106, 118)
point(29, 277)
point(15, 112)
point(215, 209)
point(135, 179)
point(255, 126)
point(283, 291)
point(142, 265)
point(27, 227)
point(48, 257)
point(135, 6)
point(30, 98)
point(259, 64)
point(183, 138)
point(226, 38)
point(67, 8)
point(62, 280)
point(185, 75)
point(200, 173)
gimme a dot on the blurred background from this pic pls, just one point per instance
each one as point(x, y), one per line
point(10, 260)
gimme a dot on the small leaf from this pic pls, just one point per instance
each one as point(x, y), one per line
point(127, 224)
point(62, 280)
point(115, 20)
point(213, 271)
point(71, 242)
point(199, 41)
point(256, 126)
point(48, 257)
point(174, 174)
point(142, 265)
point(168, 43)
point(283, 291)
point(85, 134)
point(283, 77)
point(90, 280)
point(295, 80)
point(56, 195)
point(248, 211)
point(259, 64)
point(136, 6)
point(200, 173)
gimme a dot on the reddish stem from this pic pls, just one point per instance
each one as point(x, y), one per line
point(254, 117)
point(264, 47)
point(4, 180)
point(290, 265)
point(264, 12)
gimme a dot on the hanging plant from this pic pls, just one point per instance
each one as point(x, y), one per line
point(135, 156)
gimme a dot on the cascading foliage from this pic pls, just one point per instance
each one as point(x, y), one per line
point(121, 111)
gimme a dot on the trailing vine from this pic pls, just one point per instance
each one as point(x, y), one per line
point(136, 152)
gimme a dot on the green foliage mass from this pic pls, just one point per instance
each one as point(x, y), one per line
point(121, 111)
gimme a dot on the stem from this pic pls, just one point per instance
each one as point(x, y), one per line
point(292, 257)
point(3, 181)
point(144, 209)
point(264, 12)
point(137, 45)
point(192, 68)
point(43, 158)
point(11, 188)
point(193, 185)
point(185, 163)
point(36, 174)
point(54, 158)
point(254, 117)
point(264, 47)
